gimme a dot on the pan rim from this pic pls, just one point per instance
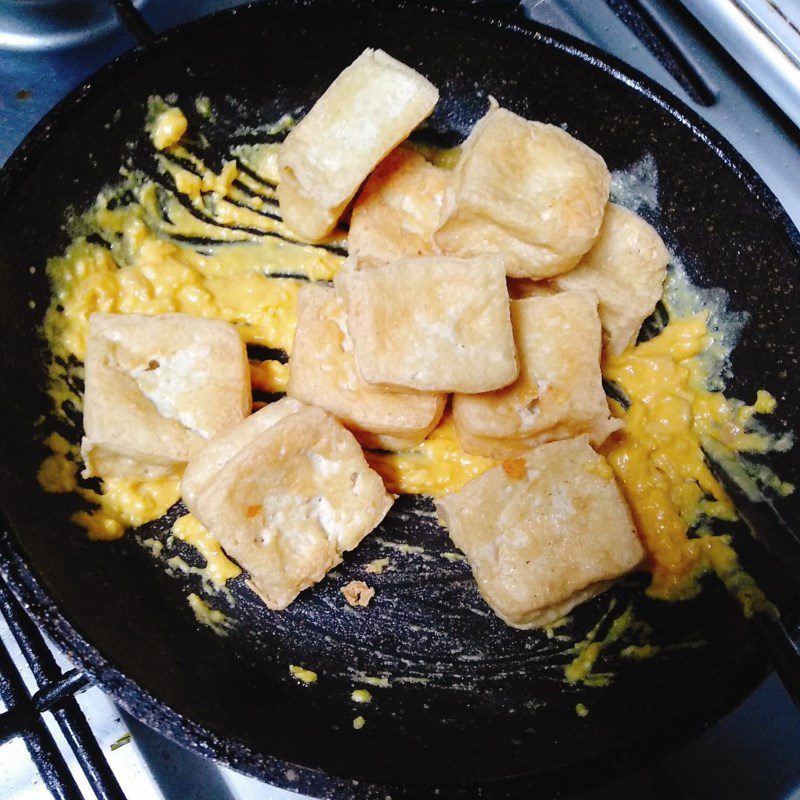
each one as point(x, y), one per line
point(134, 698)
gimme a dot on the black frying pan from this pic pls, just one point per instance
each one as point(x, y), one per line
point(493, 709)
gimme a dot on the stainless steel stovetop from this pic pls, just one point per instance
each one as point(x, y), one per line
point(748, 88)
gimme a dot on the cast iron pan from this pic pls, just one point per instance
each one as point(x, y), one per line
point(472, 702)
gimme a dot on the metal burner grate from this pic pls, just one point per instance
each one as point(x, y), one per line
point(55, 694)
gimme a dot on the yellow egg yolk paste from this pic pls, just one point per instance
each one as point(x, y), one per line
point(658, 456)
point(212, 244)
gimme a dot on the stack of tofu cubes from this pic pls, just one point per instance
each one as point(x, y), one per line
point(499, 284)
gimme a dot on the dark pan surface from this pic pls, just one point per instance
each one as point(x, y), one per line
point(485, 704)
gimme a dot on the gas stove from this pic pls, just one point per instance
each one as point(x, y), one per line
point(736, 62)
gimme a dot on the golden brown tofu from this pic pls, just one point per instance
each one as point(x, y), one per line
point(365, 113)
point(322, 371)
point(157, 388)
point(542, 539)
point(398, 210)
point(559, 393)
point(207, 463)
point(301, 212)
point(626, 267)
point(291, 501)
point(527, 190)
point(431, 324)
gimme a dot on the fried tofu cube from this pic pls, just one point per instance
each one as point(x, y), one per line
point(302, 213)
point(295, 497)
point(433, 324)
point(207, 463)
point(364, 114)
point(520, 288)
point(527, 190)
point(322, 371)
point(545, 538)
point(398, 210)
point(626, 267)
point(559, 393)
point(157, 388)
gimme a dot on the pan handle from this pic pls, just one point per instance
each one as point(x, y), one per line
point(134, 22)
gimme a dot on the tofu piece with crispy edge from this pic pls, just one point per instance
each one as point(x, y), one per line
point(543, 533)
point(559, 393)
point(322, 371)
point(626, 266)
point(293, 499)
point(157, 388)
point(525, 189)
point(207, 463)
point(398, 209)
point(433, 324)
point(365, 113)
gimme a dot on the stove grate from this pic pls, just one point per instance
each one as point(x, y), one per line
point(56, 694)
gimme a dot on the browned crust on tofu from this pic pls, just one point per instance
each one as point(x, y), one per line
point(431, 324)
point(322, 371)
point(541, 545)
